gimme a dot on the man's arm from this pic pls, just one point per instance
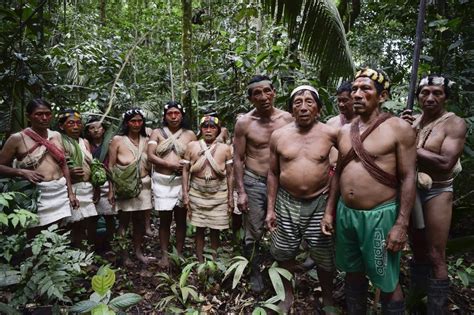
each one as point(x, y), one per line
point(229, 169)
point(451, 148)
point(406, 160)
point(327, 222)
point(272, 182)
point(239, 156)
point(7, 155)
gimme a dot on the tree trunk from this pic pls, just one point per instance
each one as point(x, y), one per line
point(102, 6)
point(186, 78)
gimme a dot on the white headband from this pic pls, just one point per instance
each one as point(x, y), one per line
point(254, 84)
point(435, 81)
point(304, 87)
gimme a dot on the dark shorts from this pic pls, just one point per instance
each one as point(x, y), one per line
point(254, 220)
point(299, 219)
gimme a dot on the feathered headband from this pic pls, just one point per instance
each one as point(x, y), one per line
point(374, 75)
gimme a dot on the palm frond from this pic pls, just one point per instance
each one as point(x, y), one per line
point(317, 26)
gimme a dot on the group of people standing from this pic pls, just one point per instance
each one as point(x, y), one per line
point(346, 188)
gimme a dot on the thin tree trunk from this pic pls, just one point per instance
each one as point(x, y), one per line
point(102, 7)
point(186, 78)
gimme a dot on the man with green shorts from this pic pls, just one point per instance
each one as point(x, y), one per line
point(298, 182)
point(375, 180)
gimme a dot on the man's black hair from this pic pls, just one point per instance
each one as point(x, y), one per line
point(256, 79)
point(345, 86)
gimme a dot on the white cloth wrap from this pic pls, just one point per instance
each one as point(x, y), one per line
point(167, 191)
point(141, 202)
point(84, 193)
point(53, 203)
point(103, 206)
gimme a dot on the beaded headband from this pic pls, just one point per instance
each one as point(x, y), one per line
point(374, 76)
point(210, 120)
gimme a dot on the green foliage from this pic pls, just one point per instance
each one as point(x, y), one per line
point(462, 273)
point(276, 274)
point(48, 275)
point(237, 266)
point(99, 302)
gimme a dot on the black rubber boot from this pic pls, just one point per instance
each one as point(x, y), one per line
point(419, 274)
point(393, 307)
point(438, 290)
point(256, 280)
point(356, 298)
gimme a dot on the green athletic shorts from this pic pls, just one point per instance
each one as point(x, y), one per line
point(360, 243)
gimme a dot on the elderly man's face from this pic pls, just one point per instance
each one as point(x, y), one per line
point(432, 98)
point(305, 108)
point(73, 126)
point(262, 96)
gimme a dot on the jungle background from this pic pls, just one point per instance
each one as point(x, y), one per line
point(105, 56)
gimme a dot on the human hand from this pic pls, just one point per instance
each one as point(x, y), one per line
point(243, 202)
point(397, 238)
point(73, 201)
point(327, 224)
point(32, 176)
point(77, 173)
point(96, 195)
point(111, 197)
point(407, 115)
point(230, 205)
point(270, 220)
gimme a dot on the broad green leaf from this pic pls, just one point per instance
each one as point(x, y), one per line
point(259, 311)
point(103, 283)
point(125, 300)
point(184, 294)
point(102, 309)
point(83, 306)
point(185, 273)
point(4, 219)
point(284, 273)
point(238, 273)
point(277, 283)
point(464, 277)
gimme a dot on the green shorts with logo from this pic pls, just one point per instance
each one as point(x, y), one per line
point(360, 243)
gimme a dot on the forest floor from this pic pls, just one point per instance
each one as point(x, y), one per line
point(218, 297)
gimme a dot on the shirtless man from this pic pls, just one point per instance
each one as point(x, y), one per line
point(375, 179)
point(166, 151)
point(40, 159)
point(298, 182)
point(440, 142)
point(207, 184)
point(346, 114)
point(127, 152)
point(251, 146)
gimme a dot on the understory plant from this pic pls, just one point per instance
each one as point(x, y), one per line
point(40, 270)
point(100, 301)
